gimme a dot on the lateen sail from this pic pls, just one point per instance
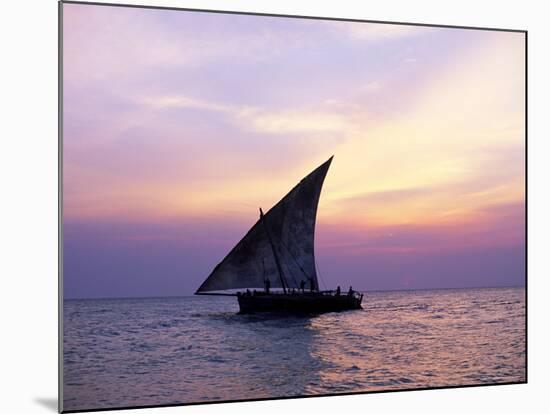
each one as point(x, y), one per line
point(291, 225)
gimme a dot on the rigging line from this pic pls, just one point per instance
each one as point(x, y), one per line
point(295, 261)
point(287, 267)
point(321, 276)
point(262, 218)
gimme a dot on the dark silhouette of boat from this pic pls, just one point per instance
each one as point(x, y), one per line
point(272, 269)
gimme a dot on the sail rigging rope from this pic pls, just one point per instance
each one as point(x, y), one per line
point(321, 276)
point(297, 264)
point(287, 267)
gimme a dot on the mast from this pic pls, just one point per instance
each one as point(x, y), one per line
point(279, 269)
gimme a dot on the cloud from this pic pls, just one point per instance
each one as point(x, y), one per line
point(378, 32)
point(269, 121)
point(298, 121)
point(487, 176)
point(500, 224)
point(388, 196)
point(102, 43)
point(179, 101)
point(460, 137)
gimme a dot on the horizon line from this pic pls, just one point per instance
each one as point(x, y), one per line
point(362, 291)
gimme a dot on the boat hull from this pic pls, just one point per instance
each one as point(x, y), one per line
point(298, 303)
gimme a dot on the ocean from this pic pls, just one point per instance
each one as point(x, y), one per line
point(152, 351)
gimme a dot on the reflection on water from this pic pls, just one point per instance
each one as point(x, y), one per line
point(179, 350)
point(424, 339)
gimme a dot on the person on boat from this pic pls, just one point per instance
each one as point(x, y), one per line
point(302, 285)
point(350, 291)
point(311, 284)
point(247, 292)
point(267, 285)
point(338, 291)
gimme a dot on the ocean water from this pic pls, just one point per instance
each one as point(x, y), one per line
point(125, 352)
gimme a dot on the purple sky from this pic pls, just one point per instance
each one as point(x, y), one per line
point(178, 125)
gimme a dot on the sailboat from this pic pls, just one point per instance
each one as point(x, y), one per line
point(272, 268)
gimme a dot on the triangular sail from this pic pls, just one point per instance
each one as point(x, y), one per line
point(291, 226)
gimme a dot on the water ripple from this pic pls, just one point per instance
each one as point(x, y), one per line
point(179, 350)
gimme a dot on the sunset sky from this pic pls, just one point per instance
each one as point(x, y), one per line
point(178, 125)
